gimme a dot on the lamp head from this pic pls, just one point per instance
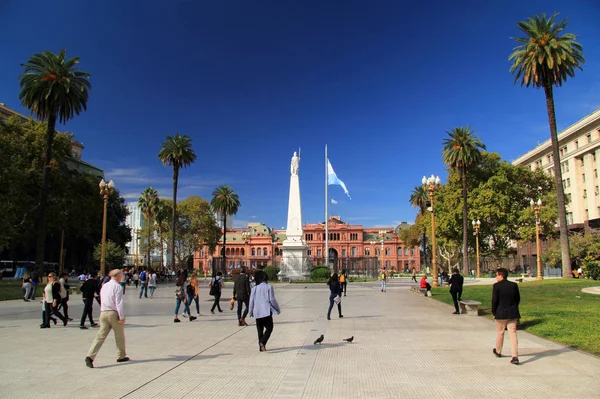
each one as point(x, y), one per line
point(424, 180)
point(437, 181)
point(102, 183)
point(111, 184)
point(539, 202)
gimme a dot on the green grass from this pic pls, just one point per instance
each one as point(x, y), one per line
point(11, 289)
point(554, 309)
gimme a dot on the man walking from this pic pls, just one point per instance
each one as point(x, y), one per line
point(505, 308)
point(143, 284)
point(112, 317)
point(383, 280)
point(89, 290)
point(456, 288)
point(262, 306)
point(241, 293)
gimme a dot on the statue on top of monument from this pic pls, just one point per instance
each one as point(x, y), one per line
point(295, 164)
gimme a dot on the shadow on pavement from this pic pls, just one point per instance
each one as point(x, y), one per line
point(537, 356)
point(166, 359)
point(324, 345)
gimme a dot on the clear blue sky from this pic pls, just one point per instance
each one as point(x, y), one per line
point(380, 82)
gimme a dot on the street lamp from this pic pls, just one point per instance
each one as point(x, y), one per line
point(537, 206)
point(105, 190)
point(477, 225)
point(431, 184)
point(137, 246)
point(374, 252)
point(382, 235)
point(246, 237)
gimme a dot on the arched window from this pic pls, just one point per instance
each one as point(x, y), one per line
point(265, 253)
point(243, 252)
point(405, 251)
point(412, 252)
point(253, 252)
point(228, 251)
point(387, 251)
point(399, 251)
point(338, 236)
point(258, 252)
point(353, 251)
point(367, 252)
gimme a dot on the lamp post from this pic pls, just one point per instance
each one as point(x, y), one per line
point(137, 247)
point(537, 206)
point(246, 238)
point(476, 225)
point(431, 184)
point(373, 245)
point(105, 190)
point(382, 235)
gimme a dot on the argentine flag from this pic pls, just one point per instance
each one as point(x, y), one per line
point(332, 179)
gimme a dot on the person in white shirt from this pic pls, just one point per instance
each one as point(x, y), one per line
point(112, 317)
point(151, 282)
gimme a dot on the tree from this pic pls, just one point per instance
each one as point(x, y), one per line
point(419, 198)
point(52, 88)
point(177, 152)
point(163, 208)
point(545, 59)
point(462, 152)
point(225, 202)
point(147, 203)
point(114, 256)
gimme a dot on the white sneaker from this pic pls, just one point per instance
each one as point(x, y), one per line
point(184, 315)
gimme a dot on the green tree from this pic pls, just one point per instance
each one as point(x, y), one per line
point(176, 152)
point(419, 198)
point(52, 88)
point(147, 203)
point(114, 256)
point(545, 58)
point(225, 202)
point(163, 209)
point(462, 152)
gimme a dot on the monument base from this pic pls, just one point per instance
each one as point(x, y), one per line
point(294, 265)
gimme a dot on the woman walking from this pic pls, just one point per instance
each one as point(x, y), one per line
point(52, 299)
point(335, 291)
point(216, 284)
point(180, 296)
point(192, 293)
point(151, 282)
point(262, 307)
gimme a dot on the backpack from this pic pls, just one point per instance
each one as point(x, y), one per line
point(215, 287)
point(342, 278)
point(190, 290)
point(143, 276)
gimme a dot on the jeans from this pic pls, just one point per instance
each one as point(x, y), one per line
point(384, 285)
point(344, 284)
point(64, 305)
point(186, 308)
point(456, 298)
point(33, 289)
point(152, 291)
point(239, 309)
point(195, 299)
point(264, 325)
point(144, 289)
point(87, 311)
point(123, 285)
point(414, 278)
point(216, 304)
point(27, 287)
point(331, 302)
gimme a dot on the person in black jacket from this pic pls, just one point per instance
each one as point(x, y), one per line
point(456, 288)
point(241, 293)
point(335, 290)
point(89, 290)
point(505, 308)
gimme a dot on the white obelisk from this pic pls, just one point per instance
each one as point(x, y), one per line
point(294, 247)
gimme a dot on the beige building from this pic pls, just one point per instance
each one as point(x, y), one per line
point(579, 150)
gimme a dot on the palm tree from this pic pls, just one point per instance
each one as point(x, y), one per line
point(177, 152)
point(52, 88)
point(225, 202)
point(419, 198)
point(462, 152)
point(148, 204)
point(161, 217)
point(545, 59)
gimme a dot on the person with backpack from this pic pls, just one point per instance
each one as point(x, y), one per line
point(343, 281)
point(216, 285)
point(383, 280)
point(181, 296)
point(143, 284)
point(241, 293)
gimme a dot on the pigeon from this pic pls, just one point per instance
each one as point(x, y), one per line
point(319, 340)
point(349, 339)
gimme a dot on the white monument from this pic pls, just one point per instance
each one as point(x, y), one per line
point(295, 250)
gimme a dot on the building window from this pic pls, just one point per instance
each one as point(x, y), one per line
point(399, 251)
point(265, 253)
point(354, 253)
point(387, 264)
point(309, 252)
point(583, 161)
point(253, 252)
point(583, 177)
point(569, 198)
point(589, 137)
point(367, 252)
point(412, 252)
point(568, 182)
point(405, 251)
point(377, 252)
point(576, 144)
point(243, 252)
point(584, 193)
point(549, 158)
point(343, 252)
point(387, 252)
point(201, 252)
point(594, 156)
point(308, 237)
point(596, 191)
point(596, 173)
point(318, 252)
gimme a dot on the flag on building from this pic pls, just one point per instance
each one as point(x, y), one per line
point(333, 201)
point(332, 179)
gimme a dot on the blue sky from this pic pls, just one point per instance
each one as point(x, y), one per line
point(380, 82)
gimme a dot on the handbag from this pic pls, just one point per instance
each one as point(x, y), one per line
point(232, 304)
point(337, 299)
point(215, 287)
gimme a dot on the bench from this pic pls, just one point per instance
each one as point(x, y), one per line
point(419, 290)
point(469, 307)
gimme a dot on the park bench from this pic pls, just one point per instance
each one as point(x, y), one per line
point(469, 307)
point(419, 290)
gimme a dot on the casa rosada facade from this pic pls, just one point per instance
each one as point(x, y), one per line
point(352, 247)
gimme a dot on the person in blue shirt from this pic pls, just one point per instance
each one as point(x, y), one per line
point(262, 307)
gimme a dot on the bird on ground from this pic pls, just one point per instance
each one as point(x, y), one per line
point(319, 340)
point(349, 339)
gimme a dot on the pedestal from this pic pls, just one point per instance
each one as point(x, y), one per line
point(294, 264)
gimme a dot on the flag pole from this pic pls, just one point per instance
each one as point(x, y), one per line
point(326, 211)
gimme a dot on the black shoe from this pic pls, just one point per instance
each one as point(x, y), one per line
point(514, 360)
point(328, 317)
point(123, 359)
point(341, 316)
point(65, 321)
point(70, 319)
point(176, 320)
point(212, 311)
point(44, 326)
point(220, 311)
point(94, 324)
point(456, 313)
point(261, 348)
point(496, 353)
point(83, 328)
point(89, 362)
point(54, 320)
point(192, 318)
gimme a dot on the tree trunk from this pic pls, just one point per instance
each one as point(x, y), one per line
point(149, 264)
point(224, 240)
point(162, 247)
point(465, 249)
point(560, 193)
point(41, 233)
point(174, 225)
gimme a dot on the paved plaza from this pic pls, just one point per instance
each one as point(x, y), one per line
point(405, 346)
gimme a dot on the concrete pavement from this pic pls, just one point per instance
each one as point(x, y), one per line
point(405, 346)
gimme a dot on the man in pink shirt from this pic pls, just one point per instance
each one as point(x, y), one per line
point(112, 317)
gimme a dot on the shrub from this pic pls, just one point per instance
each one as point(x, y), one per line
point(271, 272)
point(591, 268)
point(320, 273)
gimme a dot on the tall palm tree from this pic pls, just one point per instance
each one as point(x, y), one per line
point(177, 152)
point(545, 59)
point(225, 202)
point(462, 152)
point(419, 198)
point(148, 204)
point(52, 88)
